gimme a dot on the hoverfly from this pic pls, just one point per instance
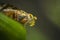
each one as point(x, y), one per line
point(18, 15)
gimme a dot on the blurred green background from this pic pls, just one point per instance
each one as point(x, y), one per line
point(10, 29)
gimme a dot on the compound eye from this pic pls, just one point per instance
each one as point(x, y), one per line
point(31, 16)
point(21, 17)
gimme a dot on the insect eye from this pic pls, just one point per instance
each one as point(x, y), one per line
point(31, 16)
point(21, 17)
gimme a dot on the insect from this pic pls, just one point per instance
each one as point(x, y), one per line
point(19, 15)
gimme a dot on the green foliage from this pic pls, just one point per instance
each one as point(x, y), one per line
point(10, 29)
